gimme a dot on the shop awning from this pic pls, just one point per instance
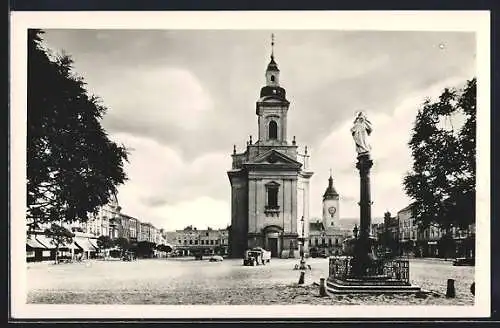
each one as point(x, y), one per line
point(69, 245)
point(93, 242)
point(84, 244)
point(46, 241)
point(33, 243)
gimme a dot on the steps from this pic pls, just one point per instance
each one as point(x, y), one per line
point(370, 285)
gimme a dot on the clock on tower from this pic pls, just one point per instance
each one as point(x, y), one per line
point(330, 205)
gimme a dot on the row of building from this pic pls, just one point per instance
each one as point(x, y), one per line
point(207, 241)
point(403, 235)
point(108, 222)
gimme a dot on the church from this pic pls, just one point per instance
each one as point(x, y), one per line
point(269, 185)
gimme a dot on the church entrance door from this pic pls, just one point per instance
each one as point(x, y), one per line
point(273, 246)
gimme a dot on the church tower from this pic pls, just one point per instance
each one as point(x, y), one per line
point(330, 206)
point(269, 186)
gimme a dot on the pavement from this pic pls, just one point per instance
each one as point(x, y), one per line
point(186, 281)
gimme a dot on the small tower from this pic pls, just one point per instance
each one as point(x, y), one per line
point(272, 107)
point(330, 205)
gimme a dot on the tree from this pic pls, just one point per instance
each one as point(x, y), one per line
point(60, 236)
point(123, 244)
point(72, 166)
point(145, 248)
point(104, 242)
point(442, 181)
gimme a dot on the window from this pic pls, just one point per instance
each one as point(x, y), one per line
point(211, 241)
point(273, 130)
point(196, 242)
point(272, 78)
point(272, 197)
point(316, 241)
point(190, 242)
point(332, 223)
point(272, 189)
point(185, 242)
point(216, 242)
point(329, 242)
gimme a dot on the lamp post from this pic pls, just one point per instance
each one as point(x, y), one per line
point(303, 241)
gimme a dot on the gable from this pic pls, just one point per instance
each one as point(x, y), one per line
point(275, 157)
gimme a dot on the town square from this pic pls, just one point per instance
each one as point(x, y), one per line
point(251, 167)
point(185, 281)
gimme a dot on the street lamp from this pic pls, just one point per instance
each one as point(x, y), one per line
point(302, 240)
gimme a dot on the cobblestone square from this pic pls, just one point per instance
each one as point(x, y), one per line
point(186, 281)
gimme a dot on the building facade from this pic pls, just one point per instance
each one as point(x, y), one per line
point(329, 233)
point(267, 180)
point(208, 241)
point(434, 241)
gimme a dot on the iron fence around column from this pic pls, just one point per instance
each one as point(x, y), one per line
point(340, 267)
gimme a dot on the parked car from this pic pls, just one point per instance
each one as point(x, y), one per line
point(323, 253)
point(256, 256)
point(266, 255)
point(318, 252)
point(216, 258)
point(463, 261)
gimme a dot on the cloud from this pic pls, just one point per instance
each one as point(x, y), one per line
point(162, 184)
point(181, 99)
point(390, 153)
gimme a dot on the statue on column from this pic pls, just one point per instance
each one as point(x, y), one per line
point(360, 131)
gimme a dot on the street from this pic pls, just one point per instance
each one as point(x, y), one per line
point(186, 281)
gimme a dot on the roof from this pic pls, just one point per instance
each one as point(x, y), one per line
point(316, 226)
point(330, 191)
point(407, 208)
point(272, 66)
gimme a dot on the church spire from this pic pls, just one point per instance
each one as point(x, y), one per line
point(272, 67)
point(330, 192)
point(272, 46)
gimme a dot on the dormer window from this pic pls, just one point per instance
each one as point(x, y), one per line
point(273, 130)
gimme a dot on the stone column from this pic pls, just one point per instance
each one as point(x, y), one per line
point(364, 165)
point(362, 251)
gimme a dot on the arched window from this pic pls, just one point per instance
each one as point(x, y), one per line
point(273, 130)
point(272, 78)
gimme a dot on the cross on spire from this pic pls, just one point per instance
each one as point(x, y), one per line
point(272, 45)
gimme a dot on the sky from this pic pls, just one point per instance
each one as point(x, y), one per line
point(180, 100)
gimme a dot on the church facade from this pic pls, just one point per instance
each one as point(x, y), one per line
point(269, 185)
